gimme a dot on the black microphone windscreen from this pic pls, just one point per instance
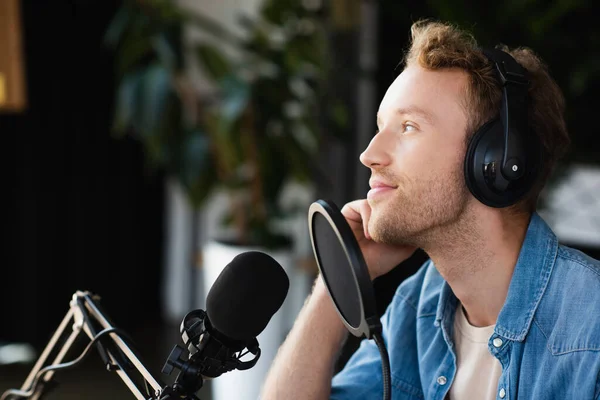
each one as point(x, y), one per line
point(247, 293)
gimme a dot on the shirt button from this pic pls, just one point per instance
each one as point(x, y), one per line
point(442, 380)
point(497, 342)
point(502, 393)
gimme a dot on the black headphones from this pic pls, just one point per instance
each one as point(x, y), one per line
point(503, 156)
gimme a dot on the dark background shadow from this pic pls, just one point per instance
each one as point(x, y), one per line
point(82, 212)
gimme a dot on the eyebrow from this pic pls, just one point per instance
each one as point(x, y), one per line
point(416, 111)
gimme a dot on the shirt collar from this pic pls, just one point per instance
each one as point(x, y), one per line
point(529, 281)
point(527, 286)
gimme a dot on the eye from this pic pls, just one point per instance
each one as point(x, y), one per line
point(408, 127)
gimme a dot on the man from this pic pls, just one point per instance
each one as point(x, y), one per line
point(501, 310)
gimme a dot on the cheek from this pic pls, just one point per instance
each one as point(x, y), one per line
point(428, 158)
point(430, 166)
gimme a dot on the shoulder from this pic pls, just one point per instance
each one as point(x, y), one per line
point(569, 312)
point(573, 258)
point(574, 274)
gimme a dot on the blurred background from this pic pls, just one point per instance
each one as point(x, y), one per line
point(147, 142)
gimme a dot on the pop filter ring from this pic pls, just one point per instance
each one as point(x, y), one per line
point(370, 323)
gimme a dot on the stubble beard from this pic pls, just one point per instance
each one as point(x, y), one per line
point(421, 213)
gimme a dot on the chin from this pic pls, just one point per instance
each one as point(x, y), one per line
point(379, 210)
point(382, 217)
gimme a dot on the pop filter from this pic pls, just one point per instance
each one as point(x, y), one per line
point(343, 268)
point(346, 276)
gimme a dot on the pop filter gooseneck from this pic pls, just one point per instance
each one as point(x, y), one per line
point(344, 271)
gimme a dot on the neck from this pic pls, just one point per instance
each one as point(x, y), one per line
point(477, 258)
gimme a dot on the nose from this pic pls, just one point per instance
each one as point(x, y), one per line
point(377, 154)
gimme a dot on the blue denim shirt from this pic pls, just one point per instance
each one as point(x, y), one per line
point(547, 336)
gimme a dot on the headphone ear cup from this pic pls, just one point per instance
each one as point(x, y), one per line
point(482, 168)
point(483, 160)
point(474, 176)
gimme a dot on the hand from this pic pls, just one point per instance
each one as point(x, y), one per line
point(380, 258)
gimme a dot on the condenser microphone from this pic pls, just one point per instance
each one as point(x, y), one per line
point(239, 305)
point(346, 276)
point(247, 293)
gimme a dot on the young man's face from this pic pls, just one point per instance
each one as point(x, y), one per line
point(419, 152)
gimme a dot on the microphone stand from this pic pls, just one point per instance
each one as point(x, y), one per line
point(85, 316)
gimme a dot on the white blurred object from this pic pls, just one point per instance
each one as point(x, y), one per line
point(178, 253)
point(572, 207)
point(16, 353)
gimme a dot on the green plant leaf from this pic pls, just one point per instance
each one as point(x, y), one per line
point(155, 90)
point(276, 11)
point(301, 166)
point(275, 169)
point(169, 134)
point(212, 27)
point(236, 94)
point(126, 103)
point(117, 26)
point(214, 63)
point(246, 134)
point(225, 146)
point(196, 168)
point(167, 54)
point(135, 44)
point(339, 118)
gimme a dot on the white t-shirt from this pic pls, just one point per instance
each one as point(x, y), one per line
point(477, 371)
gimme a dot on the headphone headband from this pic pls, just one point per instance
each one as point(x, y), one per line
point(513, 111)
point(501, 160)
point(509, 70)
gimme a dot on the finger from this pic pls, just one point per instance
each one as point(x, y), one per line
point(365, 212)
point(351, 211)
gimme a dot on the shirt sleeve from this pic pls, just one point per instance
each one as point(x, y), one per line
point(361, 378)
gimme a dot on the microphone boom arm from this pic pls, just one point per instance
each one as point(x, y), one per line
point(211, 353)
point(82, 309)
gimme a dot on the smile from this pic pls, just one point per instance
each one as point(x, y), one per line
point(379, 191)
